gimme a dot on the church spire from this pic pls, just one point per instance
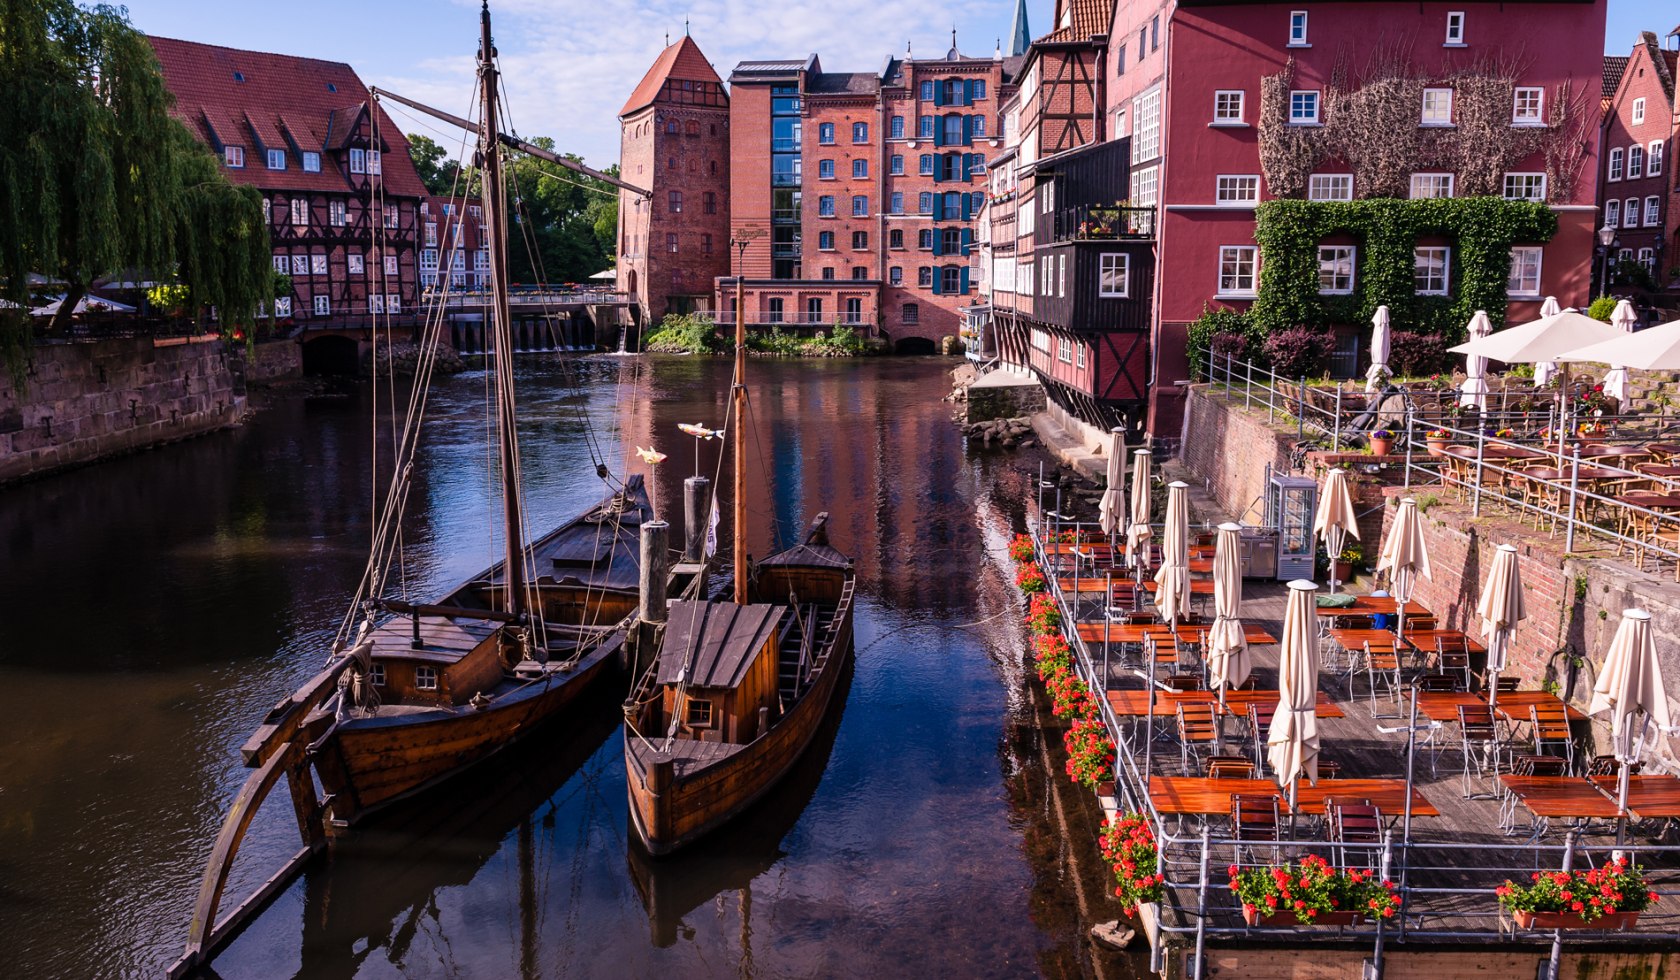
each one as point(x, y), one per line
point(1020, 35)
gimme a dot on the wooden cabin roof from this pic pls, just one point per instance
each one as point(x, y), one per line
point(716, 641)
point(443, 639)
point(814, 550)
point(600, 548)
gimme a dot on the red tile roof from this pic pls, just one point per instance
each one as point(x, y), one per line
point(681, 60)
point(263, 101)
point(1087, 18)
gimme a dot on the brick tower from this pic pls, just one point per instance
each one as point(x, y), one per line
point(675, 142)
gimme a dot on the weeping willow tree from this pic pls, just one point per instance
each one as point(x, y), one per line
point(96, 177)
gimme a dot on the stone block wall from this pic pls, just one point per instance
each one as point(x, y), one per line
point(1228, 448)
point(81, 402)
point(273, 362)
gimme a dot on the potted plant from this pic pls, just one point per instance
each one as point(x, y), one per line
point(1311, 893)
point(1128, 844)
point(1090, 752)
point(1021, 549)
point(1437, 440)
point(1071, 698)
point(1029, 578)
point(1351, 555)
point(1043, 615)
point(1608, 897)
point(1382, 442)
point(1053, 656)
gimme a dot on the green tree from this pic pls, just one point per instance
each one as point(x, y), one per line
point(437, 168)
point(95, 177)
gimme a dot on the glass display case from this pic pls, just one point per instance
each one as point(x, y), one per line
point(1290, 504)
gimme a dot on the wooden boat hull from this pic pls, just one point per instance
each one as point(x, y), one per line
point(671, 810)
point(365, 764)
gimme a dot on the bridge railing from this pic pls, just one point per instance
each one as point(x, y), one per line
point(456, 298)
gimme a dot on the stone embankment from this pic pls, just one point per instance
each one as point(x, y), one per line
point(402, 357)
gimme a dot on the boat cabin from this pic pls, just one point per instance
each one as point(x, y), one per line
point(717, 670)
point(446, 661)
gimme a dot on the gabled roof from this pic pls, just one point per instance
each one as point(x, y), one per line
point(1086, 19)
point(843, 82)
point(263, 101)
point(711, 644)
point(1614, 65)
point(682, 61)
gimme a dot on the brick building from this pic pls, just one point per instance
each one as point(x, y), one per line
point(1188, 83)
point(340, 192)
point(454, 245)
point(674, 141)
point(1636, 177)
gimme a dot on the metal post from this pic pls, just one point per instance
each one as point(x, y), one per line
point(1301, 410)
point(1200, 966)
point(1481, 453)
point(697, 517)
point(656, 554)
point(1336, 428)
point(1406, 819)
point(1382, 871)
point(1248, 385)
point(1574, 487)
point(1410, 424)
point(1228, 394)
point(1557, 934)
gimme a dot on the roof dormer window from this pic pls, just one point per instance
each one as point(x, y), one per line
point(358, 160)
point(234, 156)
point(311, 162)
point(277, 159)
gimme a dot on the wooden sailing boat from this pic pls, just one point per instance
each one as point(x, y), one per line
point(739, 688)
point(423, 692)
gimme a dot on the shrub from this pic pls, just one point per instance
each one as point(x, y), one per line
point(1043, 615)
point(1029, 578)
point(1021, 549)
point(681, 333)
point(1313, 888)
point(1615, 887)
point(1216, 321)
point(1070, 698)
point(1053, 656)
point(1090, 752)
point(1413, 354)
point(1299, 352)
point(1128, 843)
point(1232, 345)
point(1601, 308)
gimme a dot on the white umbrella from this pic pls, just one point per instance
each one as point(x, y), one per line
point(1623, 319)
point(1653, 349)
point(1545, 339)
point(1379, 350)
point(1138, 534)
point(1335, 518)
point(1292, 744)
point(1172, 580)
point(1475, 366)
point(1111, 511)
point(1405, 556)
point(97, 304)
point(1227, 653)
point(1545, 370)
point(1501, 608)
point(1630, 690)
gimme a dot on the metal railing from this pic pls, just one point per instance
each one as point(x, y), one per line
point(1103, 222)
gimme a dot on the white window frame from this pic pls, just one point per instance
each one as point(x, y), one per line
point(1298, 29)
point(1613, 170)
point(1228, 105)
point(1079, 351)
point(354, 263)
point(1635, 162)
point(1654, 158)
point(376, 674)
point(1446, 269)
point(1638, 112)
point(1412, 192)
point(1239, 255)
point(1525, 181)
point(1040, 340)
point(425, 678)
point(300, 211)
point(317, 265)
point(338, 213)
point(282, 264)
point(1338, 255)
point(1653, 211)
point(393, 303)
point(390, 265)
point(1146, 126)
point(1455, 29)
point(282, 306)
point(1237, 190)
point(277, 159)
point(1433, 116)
point(358, 160)
point(1625, 255)
point(1648, 259)
point(1528, 106)
point(234, 157)
point(300, 265)
point(1061, 275)
point(1630, 213)
point(1045, 267)
point(1325, 187)
point(1114, 275)
point(322, 305)
point(1317, 105)
point(1517, 284)
point(311, 162)
point(1064, 350)
point(376, 302)
point(373, 164)
point(1613, 212)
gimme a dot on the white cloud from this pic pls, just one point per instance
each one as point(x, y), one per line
point(569, 66)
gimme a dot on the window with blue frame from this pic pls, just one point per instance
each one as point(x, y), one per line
point(924, 276)
point(825, 206)
point(927, 91)
point(979, 88)
point(860, 132)
point(895, 275)
point(825, 133)
point(895, 128)
point(897, 164)
point(860, 206)
point(953, 204)
point(825, 169)
point(924, 203)
point(860, 241)
point(927, 165)
point(979, 127)
point(860, 168)
point(953, 130)
point(950, 279)
point(825, 240)
point(897, 202)
point(924, 239)
point(895, 238)
point(927, 124)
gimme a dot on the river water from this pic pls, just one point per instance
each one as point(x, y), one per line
point(153, 607)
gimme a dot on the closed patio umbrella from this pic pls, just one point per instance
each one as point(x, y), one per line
point(1624, 319)
point(1138, 534)
point(1405, 556)
point(1172, 594)
point(1545, 339)
point(1335, 518)
point(1292, 745)
point(1475, 366)
point(1630, 691)
point(1544, 371)
point(1111, 511)
point(1379, 350)
point(1501, 608)
point(1227, 653)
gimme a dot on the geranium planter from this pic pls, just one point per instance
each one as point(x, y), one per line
point(1571, 920)
point(1254, 917)
point(1437, 447)
point(1106, 788)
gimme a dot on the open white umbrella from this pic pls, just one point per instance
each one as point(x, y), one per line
point(1501, 608)
point(1475, 366)
point(1545, 339)
point(1405, 556)
point(1379, 350)
point(1172, 580)
point(1111, 511)
point(1335, 518)
point(1653, 349)
point(97, 304)
point(1630, 690)
point(1292, 744)
point(1544, 371)
point(1227, 652)
point(1624, 319)
point(1138, 534)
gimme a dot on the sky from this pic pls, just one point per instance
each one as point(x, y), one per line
point(570, 64)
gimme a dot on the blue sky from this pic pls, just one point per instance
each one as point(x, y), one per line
point(570, 64)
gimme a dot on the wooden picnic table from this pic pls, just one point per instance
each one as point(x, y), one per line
point(1206, 796)
point(1513, 705)
point(1366, 605)
point(1198, 586)
point(1100, 548)
point(1387, 795)
point(1135, 703)
point(1423, 641)
point(1356, 639)
point(1096, 631)
point(1589, 474)
point(1443, 706)
point(1648, 796)
point(1494, 452)
point(1561, 797)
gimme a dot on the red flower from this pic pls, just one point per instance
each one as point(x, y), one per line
point(1388, 913)
point(1577, 906)
point(1651, 897)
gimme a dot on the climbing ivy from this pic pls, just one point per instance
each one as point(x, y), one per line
point(1480, 230)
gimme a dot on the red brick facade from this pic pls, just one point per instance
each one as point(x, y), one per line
point(1636, 166)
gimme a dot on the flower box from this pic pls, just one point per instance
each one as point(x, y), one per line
point(1254, 917)
point(1437, 447)
point(1571, 920)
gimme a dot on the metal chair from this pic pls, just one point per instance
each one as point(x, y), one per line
point(1440, 684)
point(1353, 821)
point(1259, 726)
point(1452, 655)
point(1479, 732)
point(1507, 685)
point(1229, 767)
point(1329, 769)
point(1550, 726)
point(1384, 664)
point(1184, 682)
point(1197, 729)
point(1255, 819)
point(1606, 765)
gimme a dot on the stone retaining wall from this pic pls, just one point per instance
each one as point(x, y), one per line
point(1228, 448)
point(274, 362)
point(81, 402)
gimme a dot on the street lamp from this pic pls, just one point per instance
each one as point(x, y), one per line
point(1606, 242)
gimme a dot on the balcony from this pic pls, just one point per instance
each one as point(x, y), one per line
point(785, 145)
point(784, 179)
point(1103, 222)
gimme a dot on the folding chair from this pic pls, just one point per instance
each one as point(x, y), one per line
point(1606, 765)
point(1384, 664)
point(1353, 821)
point(1255, 819)
point(1551, 727)
point(1452, 655)
point(1440, 684)
point(1329, 769)
point(1259, 726)
point(1184, 682)
point(1229, 767)
point(1507, 685)
point(1196, 730)
point(1479, 732)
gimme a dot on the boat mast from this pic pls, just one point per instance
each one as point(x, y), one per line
point(738, 429)
point(513, 567)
